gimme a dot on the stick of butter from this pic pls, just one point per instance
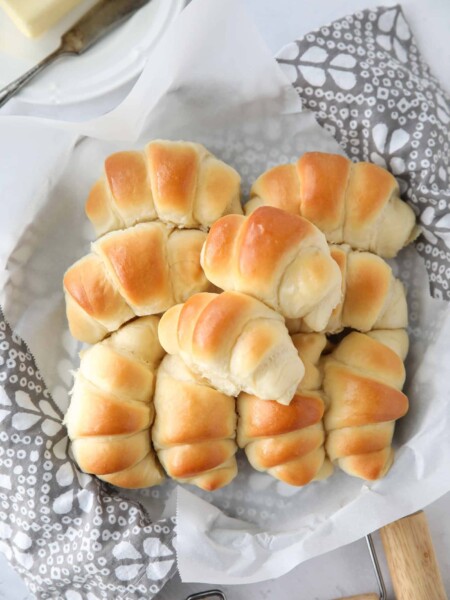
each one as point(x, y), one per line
point(34, 17)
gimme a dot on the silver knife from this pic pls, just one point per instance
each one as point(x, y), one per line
point(95, 24)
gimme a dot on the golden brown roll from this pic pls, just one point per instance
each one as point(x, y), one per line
point(288, 441)
point(363, 378)
point(142, 270)
point(111, 408)
point(179, 183)
point(195, 427)
point(281, 259)
point(236, 343)
point(353, 203)
point(372, 298)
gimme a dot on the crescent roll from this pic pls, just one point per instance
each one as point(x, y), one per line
point(111, 408)
point(281, 259)
point(288, 441)
point(363, 379)
point(195, 427)
point(353, 203)
point(236, 343)
point(180, 183)
point(372, 298)
point(142, 270)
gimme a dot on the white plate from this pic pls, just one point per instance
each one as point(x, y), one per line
point(116, 59)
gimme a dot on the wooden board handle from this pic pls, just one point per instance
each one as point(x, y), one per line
point(411, 559)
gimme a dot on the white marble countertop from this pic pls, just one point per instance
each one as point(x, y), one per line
point(348, 570)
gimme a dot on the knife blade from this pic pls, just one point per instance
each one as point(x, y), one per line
point(97, 22)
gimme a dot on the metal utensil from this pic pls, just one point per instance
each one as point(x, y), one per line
point(209, 594)
point(95, 24)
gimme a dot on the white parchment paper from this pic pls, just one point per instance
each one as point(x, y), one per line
point(212, 79)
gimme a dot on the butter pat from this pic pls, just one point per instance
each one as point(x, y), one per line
point(34, 17)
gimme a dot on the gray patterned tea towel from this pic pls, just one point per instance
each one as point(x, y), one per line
point(69, 535)
point(366, 83)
